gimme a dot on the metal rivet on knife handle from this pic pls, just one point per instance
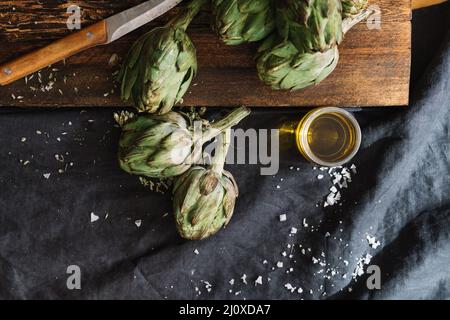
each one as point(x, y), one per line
point(7, 71)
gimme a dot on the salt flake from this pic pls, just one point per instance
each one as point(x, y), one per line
point(94, 217)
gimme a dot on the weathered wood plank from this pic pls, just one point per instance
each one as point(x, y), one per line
point(374, 69)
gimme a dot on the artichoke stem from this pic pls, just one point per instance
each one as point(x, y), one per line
point(350, 22)
point(220, 156)
point(187, 14)
point(229, 121)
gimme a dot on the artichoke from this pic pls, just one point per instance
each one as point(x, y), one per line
point(311, 25)
point(161, 64)
point(283, 66)
point(351, 8)
point(241, 21)
point(204, 198)
point(163, 146)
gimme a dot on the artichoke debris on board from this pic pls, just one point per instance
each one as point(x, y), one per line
point(241, 21)
point(163, 146)
point(204, 198)
point(161, 64)
point(353, 7)
point(283, 66)
point(311, 25)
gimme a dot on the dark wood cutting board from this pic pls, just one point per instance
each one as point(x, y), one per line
point(374, 69)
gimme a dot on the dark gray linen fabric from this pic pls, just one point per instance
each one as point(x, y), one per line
point(400, 195)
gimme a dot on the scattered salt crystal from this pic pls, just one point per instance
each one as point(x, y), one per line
point(293, 230)
point(138, 223)
point(373, 242)
point(23, 139)
point(244, 278)
point(330, 199)
point(304, 223)
point(320, 176)
point(289, 287)
point(280, 264)
point(231, 282)
point(278, 187)
point(283, 217)
point(46, 175)
point(359, 270)
point(94, 217)
point(258, 281)
point(284, 254)
point(300, 290)
point(196, 251)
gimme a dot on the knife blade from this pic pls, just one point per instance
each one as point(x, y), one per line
point(133, 18)
point(100, 33)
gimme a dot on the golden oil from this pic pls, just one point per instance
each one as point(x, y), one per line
point(328, 136)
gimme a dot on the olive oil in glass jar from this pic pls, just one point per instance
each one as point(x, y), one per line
point(328, 136)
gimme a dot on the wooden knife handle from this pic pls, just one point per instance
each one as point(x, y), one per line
point(86, 38)
point(418, 4)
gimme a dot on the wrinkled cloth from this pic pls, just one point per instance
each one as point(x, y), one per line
point(64, 201)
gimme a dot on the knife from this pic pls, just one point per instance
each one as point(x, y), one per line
point(103, 32)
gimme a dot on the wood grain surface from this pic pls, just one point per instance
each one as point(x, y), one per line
point(374, 69)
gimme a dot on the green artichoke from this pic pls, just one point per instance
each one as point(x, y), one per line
point(241, 21)
point(163, 146)
point(161, 65)
point(351, 8)
point(282, 66)
point(311, 25)
point(204, 198)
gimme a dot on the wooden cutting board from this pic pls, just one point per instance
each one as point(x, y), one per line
point(374, 69)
